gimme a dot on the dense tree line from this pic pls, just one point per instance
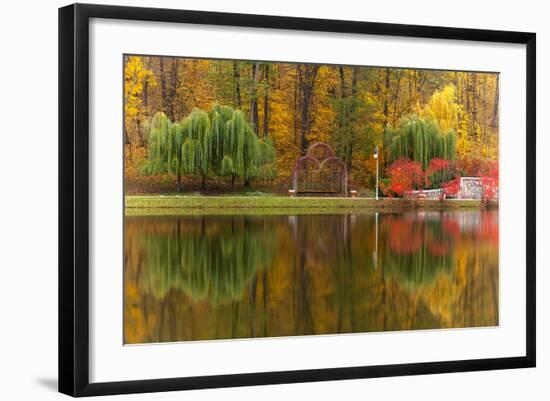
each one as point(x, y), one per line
point(352, 108)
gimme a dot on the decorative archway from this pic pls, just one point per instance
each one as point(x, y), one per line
point(320, 172)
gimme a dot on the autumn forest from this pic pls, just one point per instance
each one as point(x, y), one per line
point(440, 124)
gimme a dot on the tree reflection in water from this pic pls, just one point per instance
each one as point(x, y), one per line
point(213, 277)
point(207, 258)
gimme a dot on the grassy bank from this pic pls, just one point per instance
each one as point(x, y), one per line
point(170, 205)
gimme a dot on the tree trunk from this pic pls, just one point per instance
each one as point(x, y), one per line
point(484, 117)
point(342, 82)
point(126, 137)
point(307, 86)
point(266, 102)
point(352, 117)
point(232, 181)
point(173, 89)
point(468, 88)
point(343, 120)
point(146, 88)
point(396, 97)
point(296, 102)
point(254, 97)
point(236, 80)
point(410, 86)
point(179, 182)
point(141, 137)
point(354, 77)
point(203, 184)
point(163, 85)
point(474, 105)
point(386, 96)
point(455, 82)
point(494, 120)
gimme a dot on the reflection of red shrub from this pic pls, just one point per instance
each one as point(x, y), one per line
point(451, 227)
point(404, 176)
point(488, 229)
point(405, 236)
point(438, 248)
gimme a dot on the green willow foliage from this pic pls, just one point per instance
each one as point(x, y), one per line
point(158, 138)
point(196, 149)
point(420, 140)
point(219, 143)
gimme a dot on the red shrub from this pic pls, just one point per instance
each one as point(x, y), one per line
point(451, 188)
point(437, 165)
point(404, 176)
point(489, 181)
point(440, 171)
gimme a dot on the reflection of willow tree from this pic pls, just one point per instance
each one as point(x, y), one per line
point(418, 249)
point(215, 260)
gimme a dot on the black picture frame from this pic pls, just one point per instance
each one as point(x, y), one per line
point(74, 199)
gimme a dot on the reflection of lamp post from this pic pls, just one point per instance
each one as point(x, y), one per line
point(376, 157)
point(375, 253)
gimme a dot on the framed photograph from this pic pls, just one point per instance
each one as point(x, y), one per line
point(250, 199)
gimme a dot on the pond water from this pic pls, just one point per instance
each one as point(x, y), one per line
point(243, 276)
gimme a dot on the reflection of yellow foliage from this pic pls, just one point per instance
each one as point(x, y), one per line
point(473, 288)
point(311, 287)
point(138, 324)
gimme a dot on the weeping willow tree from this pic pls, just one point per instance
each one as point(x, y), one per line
point(420, 140)
point(240, 147)
point(179, 148)
point(219, 116)
point(219, 143)
point(239, 152)
point(197, 145)
point(165, 148)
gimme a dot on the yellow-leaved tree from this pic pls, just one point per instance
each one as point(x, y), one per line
point(135, 76)
point(444, 108)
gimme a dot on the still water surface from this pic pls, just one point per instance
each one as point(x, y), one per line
point(220, 277)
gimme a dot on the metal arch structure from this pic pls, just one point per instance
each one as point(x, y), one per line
point(320, 171)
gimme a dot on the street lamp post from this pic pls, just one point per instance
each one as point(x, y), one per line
point(376, 157)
